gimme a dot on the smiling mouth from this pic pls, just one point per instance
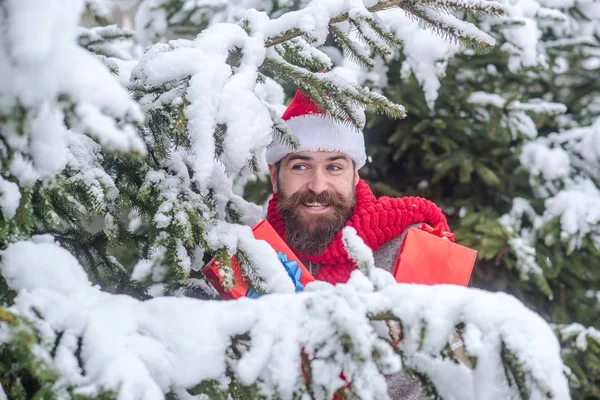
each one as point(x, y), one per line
point(316, 206)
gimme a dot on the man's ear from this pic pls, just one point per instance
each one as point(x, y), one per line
point(356, 177)
point(273, 174)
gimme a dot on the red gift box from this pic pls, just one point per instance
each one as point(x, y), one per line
point(429, 257)
point(262, 231)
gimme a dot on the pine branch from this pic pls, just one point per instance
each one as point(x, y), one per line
point(298, 51)
point(383, 316)
point(384, 34)
point(369, 36)
point(491, 8)
point(339, 100)
point(24, 373)
point(480, 39)
point(350, 48)
point(101, 42)
point(512, 370)
point(249, 273)
point(281, 131)
point(219, 136)
point(199, 288)
point(449, 26)
point(295, 32)
point(254, 165)
point(225, 270)
point(102, 35)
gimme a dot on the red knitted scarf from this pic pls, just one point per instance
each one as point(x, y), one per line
point(377, 221)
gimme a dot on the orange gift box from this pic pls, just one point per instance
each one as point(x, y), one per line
point(262, 231)
point(429, 259)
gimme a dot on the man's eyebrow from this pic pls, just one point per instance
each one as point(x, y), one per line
point(299, 157)
point(340, 157)
point(309, 158)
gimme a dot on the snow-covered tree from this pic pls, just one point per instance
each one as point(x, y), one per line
point(507, 141)
point(110, 201)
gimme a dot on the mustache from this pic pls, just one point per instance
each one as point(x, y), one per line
point(331, 198)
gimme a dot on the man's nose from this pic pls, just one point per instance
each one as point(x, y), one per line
point(318, 183)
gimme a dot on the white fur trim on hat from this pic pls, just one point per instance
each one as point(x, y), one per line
point(317, 132)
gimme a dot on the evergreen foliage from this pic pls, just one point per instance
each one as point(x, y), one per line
point(502, 151)
point(143, 192)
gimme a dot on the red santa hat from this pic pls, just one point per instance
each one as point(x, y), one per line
point(317, 131)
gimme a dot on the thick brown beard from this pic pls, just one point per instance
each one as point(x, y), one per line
point(310, 234)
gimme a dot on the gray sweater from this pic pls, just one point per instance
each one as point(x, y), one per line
point(400, 385)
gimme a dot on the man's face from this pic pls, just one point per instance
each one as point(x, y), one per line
point(316, 197)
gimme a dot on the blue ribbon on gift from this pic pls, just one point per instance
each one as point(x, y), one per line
point(294, 272)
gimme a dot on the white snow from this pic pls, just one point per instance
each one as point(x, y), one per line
point(424, 50)
point(538, 106)
point(84, 159)
point(10, 198)
point(484, 99)
point(145, 349)
point(522, 239)
point(578, 209)
point(21, 268)
point(358, 250)
point(40, 61)
point(141, 270)
point(580, 333)
point(562, 166)
point(550, 163)
point(482, 313)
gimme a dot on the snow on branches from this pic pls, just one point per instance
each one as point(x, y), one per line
point(278, 345)
point(204, 110)
point(53, 93)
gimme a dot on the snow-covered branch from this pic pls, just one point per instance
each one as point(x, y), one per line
point(148, 349)
point(50, 85)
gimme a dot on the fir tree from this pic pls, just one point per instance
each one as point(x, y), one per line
point(158, 171)
point(504, 140)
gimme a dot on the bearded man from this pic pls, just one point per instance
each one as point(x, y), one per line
point(318, 191)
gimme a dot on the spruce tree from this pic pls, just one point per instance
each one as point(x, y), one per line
point(82, 315)
point(506, 141)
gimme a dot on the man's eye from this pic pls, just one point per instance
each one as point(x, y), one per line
point(334, 168)
point(299, 167)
